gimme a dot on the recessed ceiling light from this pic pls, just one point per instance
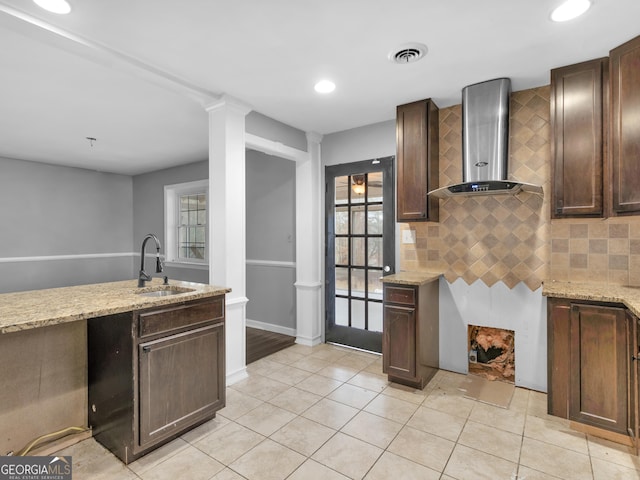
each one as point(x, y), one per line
point(55, 6)
point(570, 10)
point(325, 86)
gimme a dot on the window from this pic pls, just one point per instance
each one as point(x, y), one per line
point(186, 230)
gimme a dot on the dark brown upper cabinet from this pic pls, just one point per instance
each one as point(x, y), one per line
point(417, 161)
point(579, 108)
point(625, 128)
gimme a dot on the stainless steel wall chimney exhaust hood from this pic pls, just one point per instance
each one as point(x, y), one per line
point(485, 149)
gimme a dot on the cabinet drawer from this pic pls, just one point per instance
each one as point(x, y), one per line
point(178, 317)
point(403, 295)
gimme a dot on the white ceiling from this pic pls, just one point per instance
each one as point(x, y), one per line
point(135, 74)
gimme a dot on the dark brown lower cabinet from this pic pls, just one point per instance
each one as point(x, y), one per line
point(410, 341)
point(592, 370)
point(155, 373)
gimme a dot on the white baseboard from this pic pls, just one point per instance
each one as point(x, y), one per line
point(308, 341)
point(270, 327)
point(235, 377)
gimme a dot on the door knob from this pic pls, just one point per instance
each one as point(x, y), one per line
point(387, 268)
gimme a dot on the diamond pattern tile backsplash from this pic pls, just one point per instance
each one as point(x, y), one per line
point(511, 239)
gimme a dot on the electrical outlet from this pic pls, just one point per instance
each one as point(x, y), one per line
point(409, 236)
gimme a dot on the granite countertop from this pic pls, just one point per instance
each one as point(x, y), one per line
point(411, 278)
point(40, 308)
point(628, 296)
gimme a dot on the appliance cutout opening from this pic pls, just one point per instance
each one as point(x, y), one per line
point(492, 353)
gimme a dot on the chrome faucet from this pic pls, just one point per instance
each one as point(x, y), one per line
point(142, 276)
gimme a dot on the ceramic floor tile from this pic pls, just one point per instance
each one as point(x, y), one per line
point(502, 444)
point(330, 413)
point(227, 474)
point(438, 423)
point(237, 404)
point(198, 433)
point(157, 456)
point(301, 349)
point(408, 394)
point(538, 404)
point(370, 381)
point(264, 366)
point(311, 364)
point(303, 435)
point(331, 355)
point(259, 464)
point(497, 417)
point(553, 460)
point(266, 419)
point(520, 400)
point(260, 387)
point(338, 372)
point(454, 404)
point(191, 463)
point(312, 470)
point(288, 374)
point(91, 461)
point(348, 455)
point(295, 400)
point(469, 464)
point(612, 471)
point(422, 447)
point(526, 473)
point(392, 408)
point(372, 429)
point(555, 433)
point(613, 452)
point(285, 357)
point(375, 367)
point(229, 443)
point(354, 361)
point(392, 466)
point(319, 385)
point(353, 396)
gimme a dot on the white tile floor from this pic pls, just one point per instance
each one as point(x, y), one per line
point(329, 413)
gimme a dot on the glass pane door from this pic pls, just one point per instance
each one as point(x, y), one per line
point(360, 250)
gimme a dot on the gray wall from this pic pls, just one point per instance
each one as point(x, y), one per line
point(48, 210)
point(148, 214)
point(363, 143)
point(265, 127)
point(270, 194)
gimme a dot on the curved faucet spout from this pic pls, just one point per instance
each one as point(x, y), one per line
point(143, 276)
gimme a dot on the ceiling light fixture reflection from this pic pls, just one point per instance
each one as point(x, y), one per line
point(325, 86)
point(358, 186)
point(61, 7)
point(570, 10)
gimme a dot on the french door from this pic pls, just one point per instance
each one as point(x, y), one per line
point(360, 228)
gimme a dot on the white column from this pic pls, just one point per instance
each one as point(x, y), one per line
point(309, 317)
point(227, 218)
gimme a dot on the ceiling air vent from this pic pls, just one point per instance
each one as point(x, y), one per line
point(408, 53)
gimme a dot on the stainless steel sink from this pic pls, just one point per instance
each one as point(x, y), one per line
point(163, 291)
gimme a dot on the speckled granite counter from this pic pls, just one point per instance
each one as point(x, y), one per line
point(411, 278)
point(40, 308)
point(629, 296)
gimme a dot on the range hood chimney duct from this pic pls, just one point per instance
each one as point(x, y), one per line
point(485, 148)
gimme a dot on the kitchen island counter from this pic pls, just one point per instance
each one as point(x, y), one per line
point(40, 308)
point(415, 278)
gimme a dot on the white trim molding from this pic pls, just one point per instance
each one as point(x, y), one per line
point(270, 327)
point(46, 258)
point(277, 149)
point(270, 263)
point(308, 285)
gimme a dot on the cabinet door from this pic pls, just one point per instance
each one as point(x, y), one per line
point(181, 381)
point(598, 384)
point(578, 103)
point(558, 365)
point(625, 125)
point(399, 341)
point(634, 380)
point(417, 160)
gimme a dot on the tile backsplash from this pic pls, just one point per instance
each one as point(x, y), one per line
point(511, 239)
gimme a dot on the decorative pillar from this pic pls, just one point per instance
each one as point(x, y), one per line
point(309, 243)
point(227, 218)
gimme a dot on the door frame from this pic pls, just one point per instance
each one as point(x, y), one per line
point(373, 340)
